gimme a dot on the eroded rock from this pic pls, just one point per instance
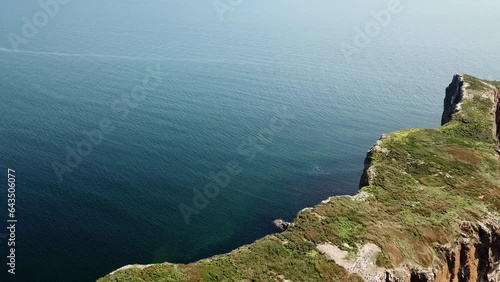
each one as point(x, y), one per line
point(281, 224)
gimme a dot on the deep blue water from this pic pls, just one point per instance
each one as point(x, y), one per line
point(220, 83)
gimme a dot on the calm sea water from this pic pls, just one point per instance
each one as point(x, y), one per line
point(221, 83)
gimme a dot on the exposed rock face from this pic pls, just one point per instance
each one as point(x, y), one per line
point(497, 116)
point(455, 94)
point(474, 258)
point(369, 171)
point(495, 272)
point(364, 263)
point(281, 224)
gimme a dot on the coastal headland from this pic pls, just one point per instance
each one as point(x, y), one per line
point(428, 209)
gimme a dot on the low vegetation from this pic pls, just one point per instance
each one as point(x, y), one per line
point(422, 184)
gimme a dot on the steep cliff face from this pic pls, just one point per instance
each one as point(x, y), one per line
point(473, 258)
point(455, 93)
point(497, 116)
point(428, 210)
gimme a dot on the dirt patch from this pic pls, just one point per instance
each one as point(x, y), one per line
point(422, 253)
point(495, 192)
point(395, 255)
point(435, 181)
point(463, 155)
point(364, 264)
point(382, 232)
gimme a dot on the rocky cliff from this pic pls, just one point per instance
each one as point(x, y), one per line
point(475, 254)
point(427, 210)
point(455, 94)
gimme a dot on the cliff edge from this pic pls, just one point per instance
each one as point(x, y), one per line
point(428, 210)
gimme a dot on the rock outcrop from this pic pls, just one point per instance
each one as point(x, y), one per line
point(497, 116)
point(281, 224)
point(369, 171)
point(475, 257)
point(455, 93)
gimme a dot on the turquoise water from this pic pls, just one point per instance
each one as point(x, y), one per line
point(219, 84)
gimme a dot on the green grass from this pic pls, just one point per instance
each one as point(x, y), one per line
point(478, 84)
point(474, 83)
point(428, 181)
point(347, 229)
point(473, 122)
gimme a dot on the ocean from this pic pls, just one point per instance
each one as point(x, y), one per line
point(152, 131)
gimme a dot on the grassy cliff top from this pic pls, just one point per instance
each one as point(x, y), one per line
point(422, 183)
